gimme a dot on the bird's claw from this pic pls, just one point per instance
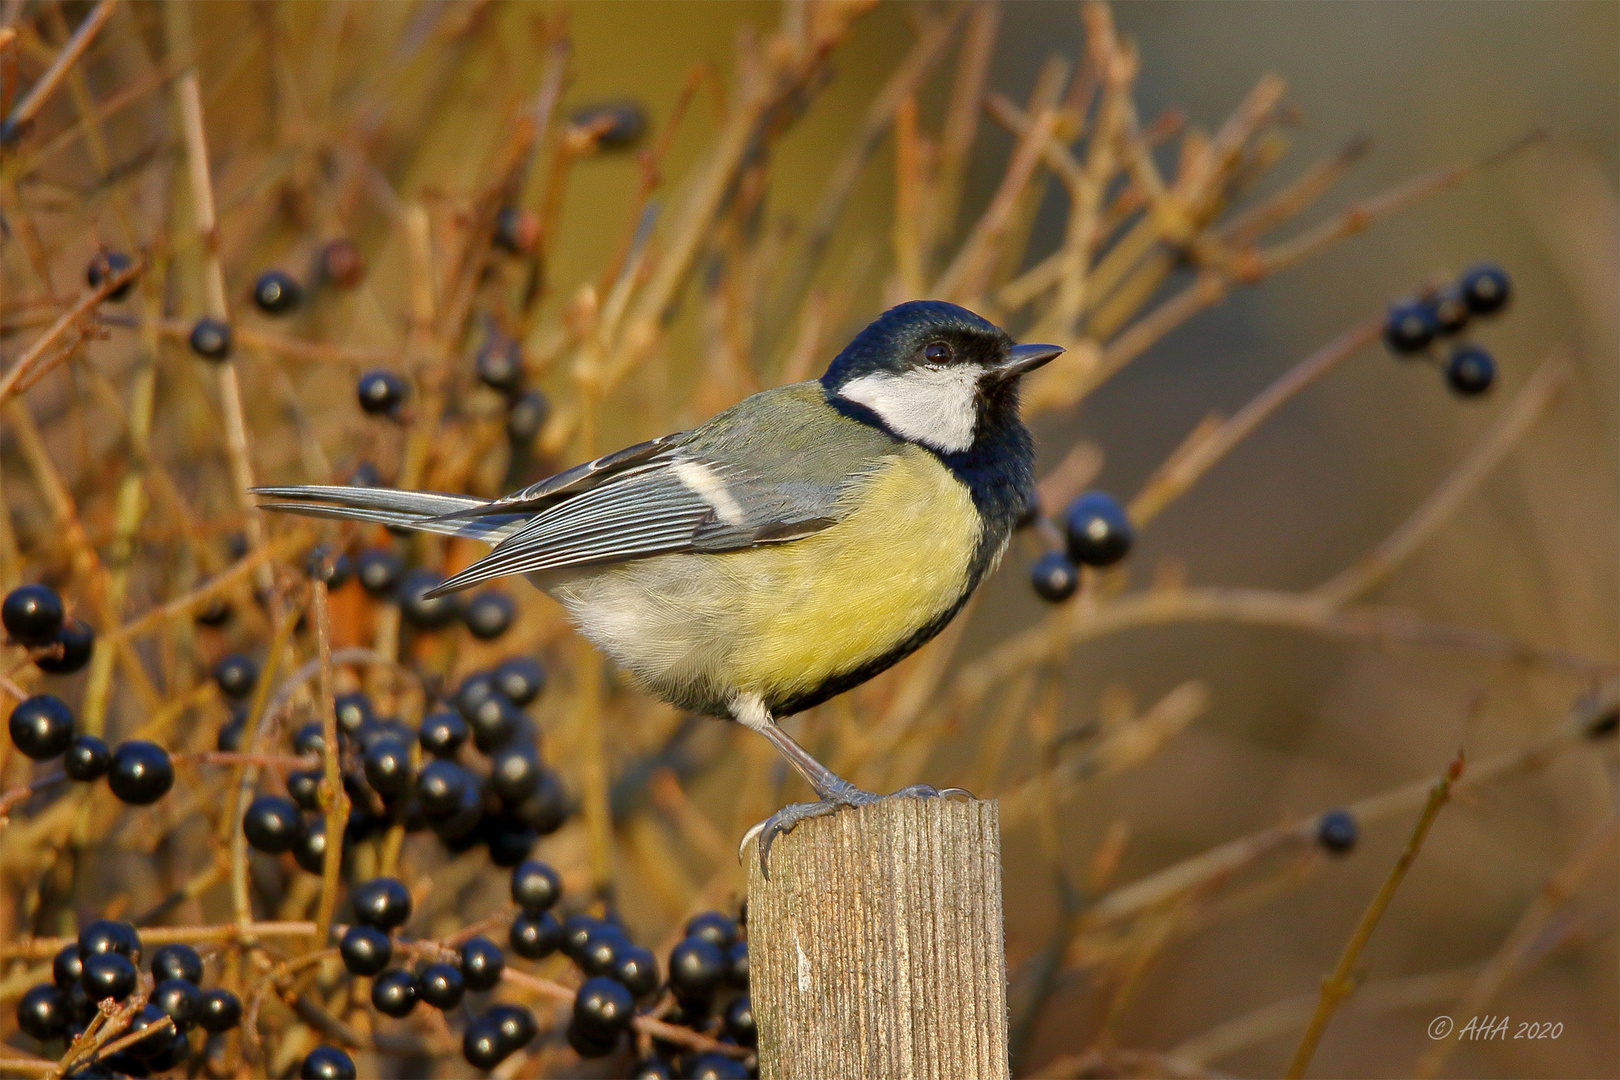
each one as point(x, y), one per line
point(787, 818)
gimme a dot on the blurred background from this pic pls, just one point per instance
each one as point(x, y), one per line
point(1296, 722)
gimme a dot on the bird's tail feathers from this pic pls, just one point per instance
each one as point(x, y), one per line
point(421, 511)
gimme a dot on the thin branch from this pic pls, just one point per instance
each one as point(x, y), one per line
point(1341, 981)
point(1527, 406)
point(41, 91)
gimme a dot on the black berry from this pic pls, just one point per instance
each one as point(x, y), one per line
point(589, 1045)
point(211, 339)
point(612, 125)
point(526, 416)
point(510, 843)
point(87, 758)
point(309, 739)
point(546, 808)
point(42, 726)
point(1097, 530)
point(76, 640)
point(1337, 831)
point(1410, 326)
point(602, 947)
point(276, 292)
point(500, 364)
point(236, 674)
point(177, 961)
point(713, 927)
point(304, 788)
point(353, 712)
point(388, 766)
point(310, 851)
point(421, 611)
point(716, 1067)
point(535, 886)
point(158, 1034)
point(652, 1069)
point(516, 1024)
point(577, 930)
point(108, 935)
point(108, 975)
point(441, 985)
point(1450, 311)
point(272, 824)
point(381, 392)
point(328, 1063)
point(535, 936)
point(179, 1000)
point(105, 266)
point(229, 739)
point(740, 1022)
point(1470, 371)
point(1054, 577)
point(481, 963)
point(489, 615)
point(394, 993)
point(42, 1013)
point(379, 570)
point(441, 787)
point(696, 968)
point(141, 772)
point(442, 733)
point(382, 902)
point(67, 967)
point(737, 965)
point(521, 679)
point(494, 722)
point(365, 950)
point(32, 614)
point(636, 968)
point(1486, 288)
point(603, 1008)
point(220, 1011)
point(514, 771)
point(483, 1046)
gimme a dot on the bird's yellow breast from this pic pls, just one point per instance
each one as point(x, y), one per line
point(781, 620)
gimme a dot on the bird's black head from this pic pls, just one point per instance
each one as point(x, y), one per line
point(935, 374)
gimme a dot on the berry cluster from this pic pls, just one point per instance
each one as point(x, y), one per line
point(499, 366)
point(102, 968)
point(506, 808)
point(41, 726)
point(35, 618)
point(1414, 326)
point(1096, 532)
point(708, 979)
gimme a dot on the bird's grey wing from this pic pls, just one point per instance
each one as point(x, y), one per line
point(571, 482)
point(681, 503)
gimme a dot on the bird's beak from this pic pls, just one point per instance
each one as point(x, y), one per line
point(1022, 359)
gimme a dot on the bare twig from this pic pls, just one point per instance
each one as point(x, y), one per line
point(1340, 982)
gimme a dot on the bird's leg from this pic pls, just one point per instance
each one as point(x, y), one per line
point(833, 790)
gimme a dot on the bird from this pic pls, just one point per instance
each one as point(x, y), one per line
point(788, 549)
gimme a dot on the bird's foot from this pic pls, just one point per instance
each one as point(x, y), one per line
point(785, 819)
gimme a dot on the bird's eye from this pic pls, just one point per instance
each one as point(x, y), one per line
point(937, 352)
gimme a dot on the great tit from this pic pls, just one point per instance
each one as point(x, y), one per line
point(792, 547)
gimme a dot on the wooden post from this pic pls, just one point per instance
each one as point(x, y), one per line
point(876, 947)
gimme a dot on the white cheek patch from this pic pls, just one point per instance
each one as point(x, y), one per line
point(707, 485)
point(937, 406)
